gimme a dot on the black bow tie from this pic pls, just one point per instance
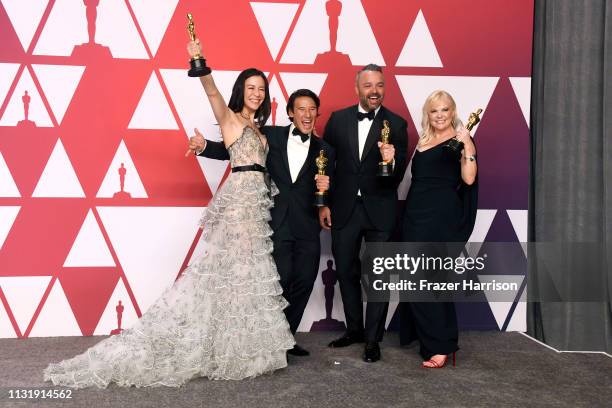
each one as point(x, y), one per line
point(370, 115)
point(302, 135)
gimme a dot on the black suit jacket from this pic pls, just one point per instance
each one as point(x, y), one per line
point(294, 203)
point(379, 194)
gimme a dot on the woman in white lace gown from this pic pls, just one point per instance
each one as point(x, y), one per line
point(223, 318)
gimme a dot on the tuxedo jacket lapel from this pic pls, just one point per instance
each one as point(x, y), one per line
point(283, 151)
point(374, 133)
point(353, 134)
point(313, 151)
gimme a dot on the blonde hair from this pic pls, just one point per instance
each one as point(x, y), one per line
point(427, 132)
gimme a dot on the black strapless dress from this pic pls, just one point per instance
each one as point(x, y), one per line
point(439, 208)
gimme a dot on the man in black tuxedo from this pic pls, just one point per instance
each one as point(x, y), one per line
point(295, 222)
point(363, 206)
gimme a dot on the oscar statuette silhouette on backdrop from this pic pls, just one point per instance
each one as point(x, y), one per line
point(340, 83)
point(91, 49)
point(119, 310)
point(332, 58)
point(329, 278)
point(26, 122)
point(122, 193)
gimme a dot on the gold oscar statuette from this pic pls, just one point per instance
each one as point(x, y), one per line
point(321, 195)
point(454, 144)
point(197, 62)
point(384, 168)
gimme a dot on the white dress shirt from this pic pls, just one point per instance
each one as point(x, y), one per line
point(363, 127)
point(297, 151)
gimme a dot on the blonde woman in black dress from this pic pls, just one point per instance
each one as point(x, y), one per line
point(440, 207)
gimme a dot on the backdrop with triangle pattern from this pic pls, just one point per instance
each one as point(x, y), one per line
point(98, 205)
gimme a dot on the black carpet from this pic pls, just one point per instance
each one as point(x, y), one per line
point(494, 369)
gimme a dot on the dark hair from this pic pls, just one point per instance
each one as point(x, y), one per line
point(236, 102)
point(369, 67)
point(302, 92)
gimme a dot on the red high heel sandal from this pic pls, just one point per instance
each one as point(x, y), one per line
point(435, 364)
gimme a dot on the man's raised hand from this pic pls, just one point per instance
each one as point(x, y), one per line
point(197, 143)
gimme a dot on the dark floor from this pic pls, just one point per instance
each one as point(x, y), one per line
point(494, 369)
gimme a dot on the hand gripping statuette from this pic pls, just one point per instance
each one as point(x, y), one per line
point(321, 195)
point(197, 62)
point(384, 167)
point(454, 144)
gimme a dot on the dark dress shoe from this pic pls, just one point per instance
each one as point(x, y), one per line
point(298, 351)
point(346, 340)
point(371, 354)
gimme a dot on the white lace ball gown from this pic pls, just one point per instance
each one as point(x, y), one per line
point(222, 319)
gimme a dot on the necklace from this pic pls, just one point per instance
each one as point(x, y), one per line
point(245, 115)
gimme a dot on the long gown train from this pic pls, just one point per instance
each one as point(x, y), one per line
point(222, 319)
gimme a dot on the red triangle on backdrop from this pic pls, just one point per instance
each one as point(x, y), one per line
point(88, 291)
point(36, 146)
point(11, 48)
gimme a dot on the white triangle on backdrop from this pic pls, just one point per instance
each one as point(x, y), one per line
point(8, 188)
point(518, 321)
point(56, 38)
point(281, 111)
point(518, 218)
point(89, 247)
point(311, 35)
point(153, 18)
point(519, 221)
point(59, 82)
point(108, 321)
point(191, 102)
point(8, 215)
point(469, 93)
point(7, 75)
point(25, 18)
point(522, 90)
point(500, 310)
point(15, 110)
point(56, 317)
point(7, 331)
point(153, 111)
point(58, 179)
point(213, 171)
point(484, 219)
point(194, 111)
point(112, 183)
point(482, 225)
point(419, 49)
point(114, 29)
point(23, 294)
point(274, 21)
point(298, 80)
point(151, 244)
